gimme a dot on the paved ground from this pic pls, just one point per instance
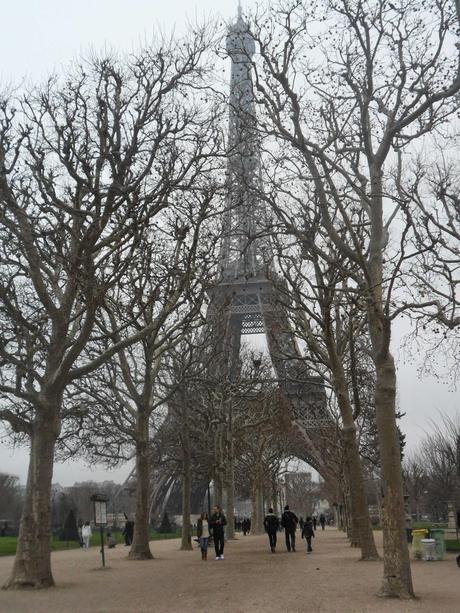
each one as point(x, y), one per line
point(249, 580)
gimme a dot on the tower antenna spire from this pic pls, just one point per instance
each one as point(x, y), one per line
point(240, 10)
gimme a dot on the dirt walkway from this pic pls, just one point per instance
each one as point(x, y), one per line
point(250, 579)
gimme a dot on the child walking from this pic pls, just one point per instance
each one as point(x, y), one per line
point(308, 533)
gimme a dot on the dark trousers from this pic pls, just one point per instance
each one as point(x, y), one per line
point(219, 542)
point(272, 539)
point(289, 533)
point(308, 539)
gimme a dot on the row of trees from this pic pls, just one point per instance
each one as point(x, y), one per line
point(347, 90)
point(111, 192)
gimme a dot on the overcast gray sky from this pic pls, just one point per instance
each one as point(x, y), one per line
point(39, 36)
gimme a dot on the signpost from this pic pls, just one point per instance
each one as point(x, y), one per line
point(100, 518)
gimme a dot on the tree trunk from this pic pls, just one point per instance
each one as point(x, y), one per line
point(140, 548)
point(230, 501)
point(352, 525)
point(362, 534)
point(218, 490)
point(274, 498)
point(260, 505)
point(254, 508)
point(256, 502)
point(397, 578)
point(358, 497)
point(32, 563)
point(186, 543)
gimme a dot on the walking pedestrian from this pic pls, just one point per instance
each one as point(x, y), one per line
point(202, 532)
point(314, 522)
point(301, 523)
point(128, 531)
point(308, 533)
point(217, 523)
point(289, 522)
point(322, 521)
point(86, 533)
point(271, 523)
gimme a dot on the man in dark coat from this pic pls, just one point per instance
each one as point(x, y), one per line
point(217, 522)
point(271, 523)
point(322, 521)
point(128, 531)
point(308, 533)
point(289, 522)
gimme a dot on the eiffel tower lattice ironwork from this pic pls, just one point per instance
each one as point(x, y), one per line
point(245, 299)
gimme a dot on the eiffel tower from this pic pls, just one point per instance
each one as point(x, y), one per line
point(247, 298)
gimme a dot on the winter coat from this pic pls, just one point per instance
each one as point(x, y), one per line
point(289, 520)
point(308, 529)
point(199, 527)
point(271, 523)
point(86, 531)
point(217, 521)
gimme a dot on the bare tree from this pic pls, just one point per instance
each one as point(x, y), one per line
point(415, 480)
point(167, 280)
point(380, 79)
point(430, 191)
point(328, 315)
point(85, 167)
point(439, 455)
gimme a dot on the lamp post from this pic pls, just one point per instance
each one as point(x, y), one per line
point(100, 518)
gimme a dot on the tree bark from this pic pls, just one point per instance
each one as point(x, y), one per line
point(32, 563)
point(256, 503)
point(397, 578)
point(358, 497)
point(217, 493)
point(186, 542)
point(230, 501)
point(359, 509)
point(140, 548)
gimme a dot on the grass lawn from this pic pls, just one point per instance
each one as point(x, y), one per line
point(8, 543)
point(453, 545)
point(417, 525)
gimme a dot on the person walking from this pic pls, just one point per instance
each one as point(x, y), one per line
point(289, 522)
point(128, 531)
point(308, 533)
point(271, 523)
point(322, 521)
point(202, 532)
point(314, 522)
point(217, 523)
point(86, 533)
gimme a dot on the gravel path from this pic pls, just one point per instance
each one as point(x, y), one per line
point(249, 580)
